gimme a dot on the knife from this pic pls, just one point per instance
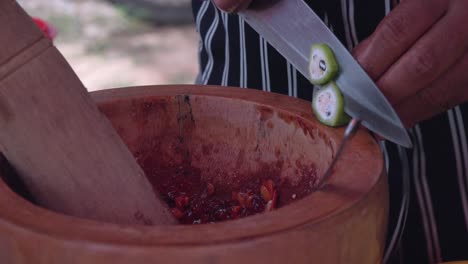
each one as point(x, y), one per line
point(291, 27)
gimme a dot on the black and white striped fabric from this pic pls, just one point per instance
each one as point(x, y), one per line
point(428, 184)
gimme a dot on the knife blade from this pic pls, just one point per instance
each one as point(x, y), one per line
point(291, 27)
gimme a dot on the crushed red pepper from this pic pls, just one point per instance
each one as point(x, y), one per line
point(206, 206)
point(195, 201)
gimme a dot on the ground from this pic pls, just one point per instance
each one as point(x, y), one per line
point(107, 48)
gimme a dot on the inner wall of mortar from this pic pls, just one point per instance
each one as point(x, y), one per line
point(228, 142)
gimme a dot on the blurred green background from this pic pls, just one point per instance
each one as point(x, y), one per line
point(115, 43)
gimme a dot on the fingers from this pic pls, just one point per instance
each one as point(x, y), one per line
point(397, 33)
point(446, 92)
point(434, 53)
point(232, 6)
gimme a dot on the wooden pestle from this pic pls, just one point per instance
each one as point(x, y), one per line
point(66, 152)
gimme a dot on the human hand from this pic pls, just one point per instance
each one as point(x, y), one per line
point(418, 57)
point(232, 6)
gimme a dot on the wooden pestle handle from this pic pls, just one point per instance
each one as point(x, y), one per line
point(66, 152)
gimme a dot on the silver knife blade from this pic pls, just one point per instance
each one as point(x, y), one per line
point(291, 27)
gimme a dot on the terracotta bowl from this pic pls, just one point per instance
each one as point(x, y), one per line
point(228, 134)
